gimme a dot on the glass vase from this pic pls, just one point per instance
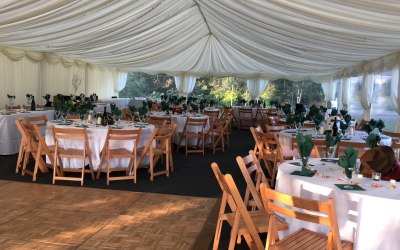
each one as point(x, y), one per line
point(304, 162)
point(330, 152)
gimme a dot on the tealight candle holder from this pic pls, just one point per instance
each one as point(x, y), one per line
point(392, 181)
point(360, 176)
point(376, 176)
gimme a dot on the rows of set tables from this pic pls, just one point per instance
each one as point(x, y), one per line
point(285, 137)
point(368, 212)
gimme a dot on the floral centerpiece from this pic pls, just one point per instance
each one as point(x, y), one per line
point(379, 124)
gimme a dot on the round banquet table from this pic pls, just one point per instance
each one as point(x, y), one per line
point(97, 136)
point(180, 121)
point(370, 218)
point(285, 137)
point(9, 134)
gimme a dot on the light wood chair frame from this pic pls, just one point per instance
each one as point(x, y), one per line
point(110, 152)
point(186, 134)
point(70, 134)
point(315, 211)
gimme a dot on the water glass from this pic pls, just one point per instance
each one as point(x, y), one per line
point(348, 172)
point(376, 176)
point(397, 154)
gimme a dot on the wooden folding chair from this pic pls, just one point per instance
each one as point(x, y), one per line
point(30, 145)
point(7, 107)
point(246, 118)
point(120, 144)
point(41, 121)
point(162, 138)
point(267, 151)
point(254, 176)
point(159, 121)
point(126, 114)
point(314, 152)
point(71, 144)
point(260, 114)
point(193, 130)
point(72, 116)
point(247, 224)
point(274, 128)
point(216, 133)
point(211, 113)
point(319, 212)
point(361, 147)
point(285, 154)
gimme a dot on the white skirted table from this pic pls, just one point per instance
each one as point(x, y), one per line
point(180, 120)
point(9, 134)
point(97, 136)
point(120, 102)
point(370, 218)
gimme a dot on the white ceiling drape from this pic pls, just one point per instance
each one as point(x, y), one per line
point(272, 39)
point(185, 84)
point(256, 87)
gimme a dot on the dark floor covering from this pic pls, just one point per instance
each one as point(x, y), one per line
point(192, 176)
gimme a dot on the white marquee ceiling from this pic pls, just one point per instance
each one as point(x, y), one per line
point(292, 39)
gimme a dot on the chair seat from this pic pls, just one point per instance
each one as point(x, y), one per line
point(260, 219)
point(72, 153)
point(119, 153)
point(314, 241)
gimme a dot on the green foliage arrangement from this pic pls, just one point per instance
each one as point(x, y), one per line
point(379, 124)
point(331, 141)
point(11, 96)
point(349, 159)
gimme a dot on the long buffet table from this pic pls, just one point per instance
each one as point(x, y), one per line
point(9, 134)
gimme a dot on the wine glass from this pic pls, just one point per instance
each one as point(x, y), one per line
point(11, 103)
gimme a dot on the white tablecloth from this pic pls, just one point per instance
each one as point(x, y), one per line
point(97, 136)
point(370, 219)
point(120, 102)
point(285, 137)
point(9, 134)
point(180, 120)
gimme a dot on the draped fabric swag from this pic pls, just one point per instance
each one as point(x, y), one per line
point(121, 82)
point(345, 92)
point(329, 89)
point(395, 88)
point(256, 87)
point(367, 87)
point(185, 84)
point(26, 72)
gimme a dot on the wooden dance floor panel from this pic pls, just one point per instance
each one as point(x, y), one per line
point(34, 216)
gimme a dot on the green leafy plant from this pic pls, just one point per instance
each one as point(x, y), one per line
point(331, 141)
point(334, 112)
point(343, 126)
point(305, 146)
point(28, 95)
point(349, 159)
point(46, 97)
point(132, 109)
point(343, 112)
point(11, 96)
point(379, 124)
point(117, 112)
point(372, 140)
point(318, 119)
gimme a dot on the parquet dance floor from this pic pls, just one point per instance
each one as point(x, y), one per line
point(34, 216)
